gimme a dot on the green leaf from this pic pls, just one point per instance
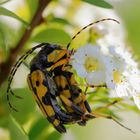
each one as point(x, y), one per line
point(2, 40)
point(128, 107)
point(32, 5)
point(16, 131)
point(54, 136)
point(60, 20)
point(25, 106)
point(6, 12)
point(7, 39)
point(52, 35)
point(38, 128)
point(100, 3)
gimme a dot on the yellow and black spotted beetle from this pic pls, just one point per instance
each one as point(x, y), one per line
point(50, 77)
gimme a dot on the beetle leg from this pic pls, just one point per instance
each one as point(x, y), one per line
point(87, 106)
point(69, 103)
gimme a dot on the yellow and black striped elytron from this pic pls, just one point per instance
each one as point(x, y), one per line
point(50, 77)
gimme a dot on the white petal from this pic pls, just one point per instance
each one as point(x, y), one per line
point(109, 83)
point(79, 57)
point(122, 92)
point(80, 69)
point(96, 78)
point(109, 77)
point(135, 82)
point(93, 51)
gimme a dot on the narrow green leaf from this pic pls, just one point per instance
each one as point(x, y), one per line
point(52, 35)
point(38, 128)
point(32, 5)
point(7, 39)
point(60, 20)
point(25, 106)
point(100, 3)
point(17, 132)
point(6, 12)
point(2, 40)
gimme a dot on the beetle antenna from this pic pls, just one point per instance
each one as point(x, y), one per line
point(13, 72)
point(91, 24)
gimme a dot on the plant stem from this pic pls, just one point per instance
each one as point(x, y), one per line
point(36, 20)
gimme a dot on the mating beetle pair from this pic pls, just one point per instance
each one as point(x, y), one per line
point(57, 81)
point(50, 77)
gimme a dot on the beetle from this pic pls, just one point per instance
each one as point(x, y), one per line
point(41, 62)
point(49, 78)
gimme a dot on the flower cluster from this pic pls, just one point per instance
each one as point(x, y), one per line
point(111, 66)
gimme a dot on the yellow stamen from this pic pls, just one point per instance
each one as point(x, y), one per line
point(117, 77)
point(91, 64)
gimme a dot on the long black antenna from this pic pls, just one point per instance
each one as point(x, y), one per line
point(91, 24)
point(14, 69)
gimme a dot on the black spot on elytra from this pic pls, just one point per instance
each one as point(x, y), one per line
point(45, 100)
point(37, 83)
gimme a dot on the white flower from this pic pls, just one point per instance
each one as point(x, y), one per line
point(123, 75)
point(88, 62)
point(120, 73)
point(113, 66)
point(115, 77)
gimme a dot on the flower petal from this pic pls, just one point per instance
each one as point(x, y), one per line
point(79, 69)
point(96, 78)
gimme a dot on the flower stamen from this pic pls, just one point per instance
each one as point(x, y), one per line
point(117, 78)
point(91, 64)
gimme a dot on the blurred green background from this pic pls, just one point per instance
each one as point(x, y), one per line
point(60, 20)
